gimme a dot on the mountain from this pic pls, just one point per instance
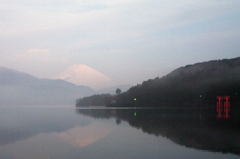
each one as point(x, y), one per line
point(192, 85)
point(10, 76)
point(18, 88)
point(80, 74)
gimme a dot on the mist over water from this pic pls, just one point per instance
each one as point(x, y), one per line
point(66, 132)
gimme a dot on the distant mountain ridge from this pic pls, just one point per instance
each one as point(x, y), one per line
point(11, 76)
point(18, 88)
point(80, 74)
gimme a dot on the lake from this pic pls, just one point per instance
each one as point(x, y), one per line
point(99, 133)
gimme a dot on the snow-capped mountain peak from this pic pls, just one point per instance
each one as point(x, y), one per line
point(81, 74)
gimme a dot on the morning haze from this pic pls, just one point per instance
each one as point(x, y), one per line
point(128, 41)
point(117, 79)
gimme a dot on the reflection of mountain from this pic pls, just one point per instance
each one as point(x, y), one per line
point(19, 88)
point(84, 136)
point(188, 128)
point(21, 123)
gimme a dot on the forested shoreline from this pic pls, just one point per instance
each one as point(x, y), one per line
point(192, 85)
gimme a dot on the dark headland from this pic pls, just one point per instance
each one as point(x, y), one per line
point(195, 85)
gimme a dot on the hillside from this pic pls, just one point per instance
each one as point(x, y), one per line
point(192, 85)
point(18, 88)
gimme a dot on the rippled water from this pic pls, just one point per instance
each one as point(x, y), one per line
point(66, 132)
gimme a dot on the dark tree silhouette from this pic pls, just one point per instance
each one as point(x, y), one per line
point(118, 91)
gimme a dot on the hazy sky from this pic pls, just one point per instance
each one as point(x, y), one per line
point(127, 40)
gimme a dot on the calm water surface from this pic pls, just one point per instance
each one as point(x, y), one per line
point(66, 132)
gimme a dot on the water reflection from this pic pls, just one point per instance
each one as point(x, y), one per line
point(22, 123)
point(105, 133)
point(85, 136)
point(195, 128)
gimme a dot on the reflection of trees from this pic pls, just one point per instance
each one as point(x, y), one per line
point(188, 128)
point(118, 121)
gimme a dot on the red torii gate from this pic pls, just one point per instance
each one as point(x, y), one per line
point(223, 108)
